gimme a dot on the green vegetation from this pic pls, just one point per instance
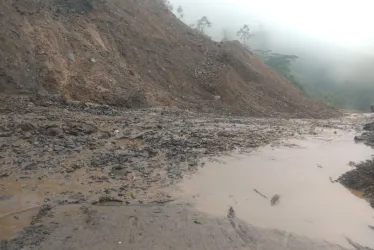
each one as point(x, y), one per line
point(168, 4)
point(282, 64)
point(180, 12)
point(316, 80)
point(347, 95)
point(203, 23)
point(245, 35)
point(318, 83)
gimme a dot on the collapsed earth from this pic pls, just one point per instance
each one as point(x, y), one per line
point(123, 128)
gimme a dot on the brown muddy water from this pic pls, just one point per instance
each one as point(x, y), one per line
point(302, 173)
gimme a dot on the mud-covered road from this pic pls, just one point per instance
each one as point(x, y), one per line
point(292, 186)
point(82, 176)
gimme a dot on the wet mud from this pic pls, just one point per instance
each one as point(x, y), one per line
point(57, 156)
point(154, 227)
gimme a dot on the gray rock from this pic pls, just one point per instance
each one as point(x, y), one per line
point(54, 131)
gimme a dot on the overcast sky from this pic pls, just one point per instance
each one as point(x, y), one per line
point(345, 23)
point(336, 35)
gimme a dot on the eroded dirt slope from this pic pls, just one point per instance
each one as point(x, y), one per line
point(135, 54)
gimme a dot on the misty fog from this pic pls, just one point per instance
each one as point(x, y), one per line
point(333, 37)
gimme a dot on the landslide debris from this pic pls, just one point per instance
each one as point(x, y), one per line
point(136, 54)
point(362, 177)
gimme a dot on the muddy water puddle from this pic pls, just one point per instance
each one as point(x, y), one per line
point(302, 173)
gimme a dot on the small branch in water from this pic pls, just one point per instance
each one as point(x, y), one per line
point(274, 200)
point(371, 227)
point(332, 181)
point(260, 193)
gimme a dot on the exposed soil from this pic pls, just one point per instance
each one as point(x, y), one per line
point(136, 54)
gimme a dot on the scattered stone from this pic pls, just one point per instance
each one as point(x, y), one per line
point(275, 200)
point(80, 128)
point(71, 57)
point(4, 175)
point(138, 135)
point(359, 138)
point(70, 170)
point(197, 222)
point(31, 166)
point(231, 213)
point(54, 131)
point(132, 195)
point(369, 126)
point(27, 135)
point(26, 126)
point(107, 199)
point(24, 177)
point(44, 210)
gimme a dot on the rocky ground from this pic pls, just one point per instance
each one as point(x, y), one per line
point(55, 152)
point(362, 177)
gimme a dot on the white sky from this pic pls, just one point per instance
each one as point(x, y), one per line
point(348, 22)
point(344, 23)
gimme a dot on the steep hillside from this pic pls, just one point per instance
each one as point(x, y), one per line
point(135, 53)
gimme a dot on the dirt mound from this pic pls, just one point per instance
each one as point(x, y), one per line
point(361, 179)
point(135, 54)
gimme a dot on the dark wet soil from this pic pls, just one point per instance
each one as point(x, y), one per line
point(361, 178)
